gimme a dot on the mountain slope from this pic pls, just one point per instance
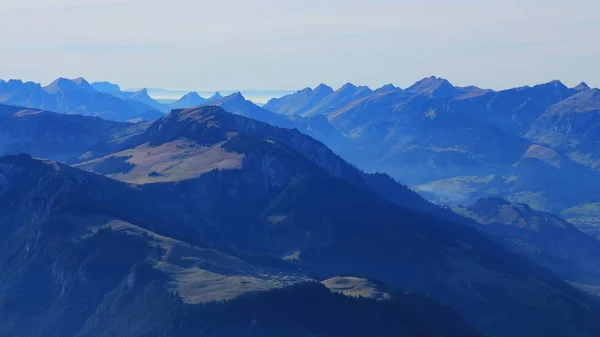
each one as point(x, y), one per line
point(57, 136)
point(581, 86)
point(513, 110)
point(140, 96)
point(143, 97)
point(413, 135)
point(344, 95)
point(300, 101)
point(107, 87)
point(433, 87)
point(64, 86)
point(79, 259)
point(188, 100)
point(317, 126)
point(572, 126)
point(294, 201)
point(543, 237)
point(215, 97)
point(435, 130)
point(458, 144)
point(304, 310)
point(179, 137)
point(237, 104)
point(386, 88)
point(542, 178)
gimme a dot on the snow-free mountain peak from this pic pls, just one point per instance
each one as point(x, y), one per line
point(62, 84)
point(433, 86)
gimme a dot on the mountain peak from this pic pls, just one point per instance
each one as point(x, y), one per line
point(347, 86)
point(553, 84)
point(144, 97)
point(191, 95)
point(81, 81)
point(555, 87)
point(387, 88)
point(17, 84)
point(62, 84)
point(433, 86)
point(429, 81)
point(364, 88)
point(195, 113)
point(581, 86)
point(188, 100)
point(106, 87)
point(307, 90)
point(556, 83)
point(207, 124)
point(237, 96)
point(300, 101)
point(141, 95)
point(234, 98)
point(323, 87)
point(216, 96)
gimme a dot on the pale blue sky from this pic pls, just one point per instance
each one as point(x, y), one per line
point(269, 44)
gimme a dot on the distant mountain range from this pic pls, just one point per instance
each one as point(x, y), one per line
point(537, 145)
point(255, 95)
point(300, 102)
point(74, 96)
point(101, 99)
point(188, 100)
point(452, 144)
point(204, 205)
point(210, 205)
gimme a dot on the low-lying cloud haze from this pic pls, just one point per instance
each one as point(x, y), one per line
point(267, 44)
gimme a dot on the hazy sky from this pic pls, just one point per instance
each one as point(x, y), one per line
point(281, 44)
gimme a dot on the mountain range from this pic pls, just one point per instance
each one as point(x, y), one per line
point(74, 96)
point(454, 145)
point(212, 215)
point(80, 259)
point(101, 99)
point(188, 100)
point(208, 205)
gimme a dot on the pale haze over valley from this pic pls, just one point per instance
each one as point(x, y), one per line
point(267, 44)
